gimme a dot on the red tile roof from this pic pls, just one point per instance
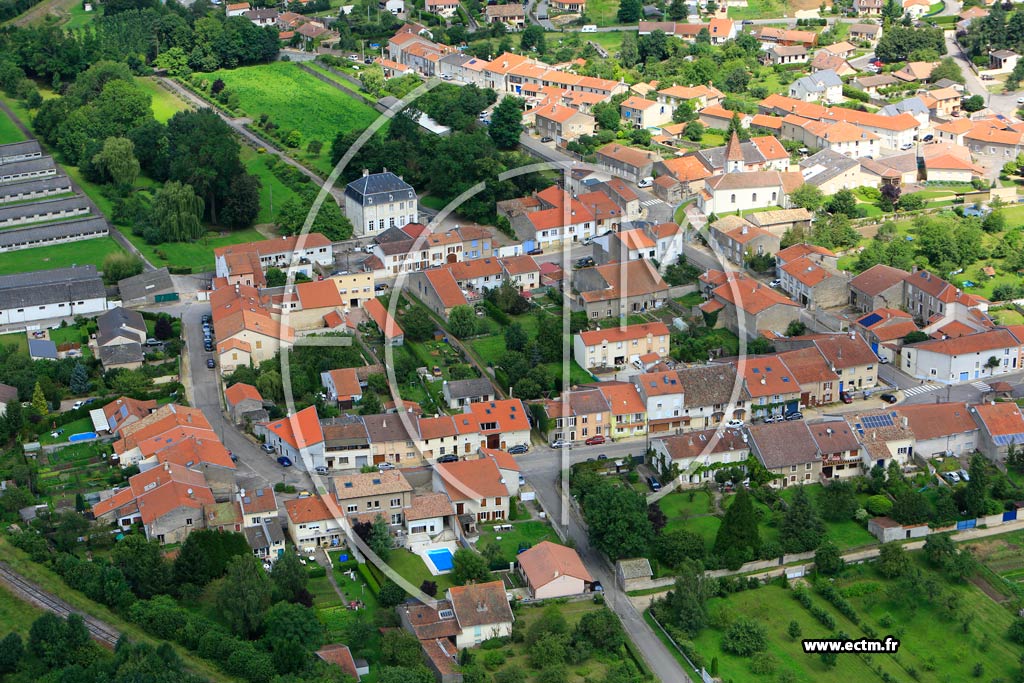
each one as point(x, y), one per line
point(1002, 419)
point(305, 510)
point(612, 335)
point(546, 561)
point(388, 325)
point(300, 430)
point(241, 391)
point(447, 289)
point(472, 479)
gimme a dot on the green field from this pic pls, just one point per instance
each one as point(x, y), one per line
point(8, 131)
point(58, 256)
point(298, 101)
point(79, 18)
point(603, 12)
point(16, 615)
point(17, 339)
point(197, 255)
point(165, 103)
point(273, 193)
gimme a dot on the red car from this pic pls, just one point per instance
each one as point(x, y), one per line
point(595, 440)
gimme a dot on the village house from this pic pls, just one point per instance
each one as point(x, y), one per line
point(617, 289)
point(617, 346)
point(1001, 426)
point(746, 307)
point(712, 394)
point(884, 437)
point(475, 487)
point(738, 240)
point(168, 501)
point(632, 164)
point(579, 414)
point(242, 399)
point(297, 437)
point(692, 454)
point(818, 382)
point(838, 448)
point(813, 283)
point(553, 571)
point(512, 15)
point(458, 392)
point(643, 113)
point(788, 451)
point(627, 408)
point(366, 496)
point(941, 429)
point(970, 357)
point(662, 393)
point(503, 423)
point(379, 201)
point(562, 124)
point(746, 191)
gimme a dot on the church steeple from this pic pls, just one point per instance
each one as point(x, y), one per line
point(734, 155)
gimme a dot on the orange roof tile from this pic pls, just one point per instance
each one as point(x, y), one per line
point(612, 335)
point(299, 430)
point(1002, 419)
point(503, 459)
point(447, 289)
point(507, 415)
point(346, 383)
point(806, 271)
point(236, 393)
point(472, 479)
point(767, 376)
point(388, 325)
point(546, 561)
point(623, 398)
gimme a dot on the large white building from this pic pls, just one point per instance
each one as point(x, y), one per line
point(46, 294)
point(378, 201)
point(964, 358)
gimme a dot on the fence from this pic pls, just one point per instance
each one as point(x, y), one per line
point(704, 675)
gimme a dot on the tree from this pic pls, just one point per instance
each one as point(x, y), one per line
point(39, 403)
point(794, 630)
point(176, 215)
point(843, 202)
point(516, 337)
point(205, 554)
point(602, 630)
point(242, 204)
point(372, 79)
point(289, 579)
point(890, 196)
point(745, 637)
point(738, 539)
point(975, 493)
point(685, 606)
point(656, 516)
point(807, 196)
point(377, 535)
point(370, 404)
point(203, 152)
point(694, 131)
point(532, 38)
point(677, 10)
point(801, 529)
point(606, 115)
point(827, 559)
point(143, 565)
point(947, 68)
point(417, 324)
point(796, 329)
point(399, 648)
point(163, 329)
point(911, 507)
point(391, 595)
point(117, 159)
point(293, 633)
point(468, 566)
point(674, 547)
point(79, 382)
point(245, 595)
point(429, 587)
point(684, 112)
point(629, 11)
point(961, 566)
point(617, 521)
point(1016, 631)
point(837, 500)
point(549, 623)
point(893, 561)
point(462, 322)
point(506, 123)
point(973, 103)
point(11, 651)
point(175, 62)
point(995, 221)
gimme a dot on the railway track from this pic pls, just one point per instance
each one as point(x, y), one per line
point(29, 592)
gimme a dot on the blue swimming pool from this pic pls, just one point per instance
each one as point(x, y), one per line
point(82, 436)
point(441, 558)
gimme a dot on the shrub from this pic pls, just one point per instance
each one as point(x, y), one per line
point(763, 664)
point(745, 637)
point(492, 659)
point(878, 505)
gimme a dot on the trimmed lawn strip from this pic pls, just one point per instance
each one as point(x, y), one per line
point(197, 255)
point(77, 427)
point(8, 131)
point(414, 570)
point(529, 532)
point(15, 614)
point(59, 256)
point(165, 103)
point(273, 193)
point(18, 339)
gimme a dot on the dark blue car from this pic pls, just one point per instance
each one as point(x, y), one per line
point(284, 461)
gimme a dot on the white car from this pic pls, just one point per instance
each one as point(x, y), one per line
point(561, 443)
point(1020, 100)
point(734, 424)
point(646, 182)
point(775, 283)
point(953, 477)
point(78, 404)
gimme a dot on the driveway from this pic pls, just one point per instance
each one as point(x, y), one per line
point(542, 468)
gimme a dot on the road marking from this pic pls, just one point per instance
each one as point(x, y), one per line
point(920, 389)
point(650, 202)
point(981, 386)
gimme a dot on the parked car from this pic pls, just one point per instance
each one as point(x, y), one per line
point(547, 139)
point(518, 449)
point(775, 283)
point(78, 404)
point(795, 415)
point(535, 252)
point(653, 484)
point(206, 317)
point(266, 448)
point(561, 443)
point(845, 397)
point(964, 475)
point(734, 424)
point(210, 364)
point(602, 457)
point(322, 471)
point(152, 341)
point(888, 398)
point(208, 346)
point(385, 466)
point(883, 360)
point(646, 182)
point(585, 262)
point(451, 457)
point(234, 458)
point(284, 461)
point(595, 440)
point(769, 419)
point(953, 477)
point(304, 494)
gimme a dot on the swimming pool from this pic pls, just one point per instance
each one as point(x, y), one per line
point(441, 559)
point(82, 436)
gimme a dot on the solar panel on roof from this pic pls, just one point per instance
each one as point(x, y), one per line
point(785, 379)
point(875, 421)
point(870, 319)
point(1007, 439)
point(757, 371)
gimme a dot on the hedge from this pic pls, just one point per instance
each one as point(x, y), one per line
point(371, 581)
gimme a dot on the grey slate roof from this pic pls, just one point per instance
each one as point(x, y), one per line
point(119, 322)
point(42, 348)
point(820, 81)
point(264, 535)
point(468, 388)
point(911, 105)
point(827, 164)
point(378, 188)
point(382, 428)
point(714, 157)
point(41, 287)
point(22, 237)
point(783, 444)
point(42, 207)
point(28, 166)
point(20, 150)
point(18, 187)
point(146, 284)
point(121, 354)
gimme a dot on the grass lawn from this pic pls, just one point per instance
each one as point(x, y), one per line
point(414, 570)
point(77, 427)
point(15, 614)
point(273, 193)
point(296, 100)
point(529, 533)
point(79, 18)
point(8, 131)
point(69, 334)
point(198, 255)
point(603, 12)
point(58, 256)
point(705, 527)
point(432, 202)
point(1008, 317)
point(691, 299)
point(712, 140)
point(18, 339)
point(679, 504)
point(759, 9)
point(165, 103)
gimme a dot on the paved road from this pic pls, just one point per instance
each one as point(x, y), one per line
point(204, 392)
point(542, 469)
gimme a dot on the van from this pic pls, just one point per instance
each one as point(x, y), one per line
point(589, 28)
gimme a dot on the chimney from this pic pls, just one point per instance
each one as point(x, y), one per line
point(904, 422)
point(366, 172)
